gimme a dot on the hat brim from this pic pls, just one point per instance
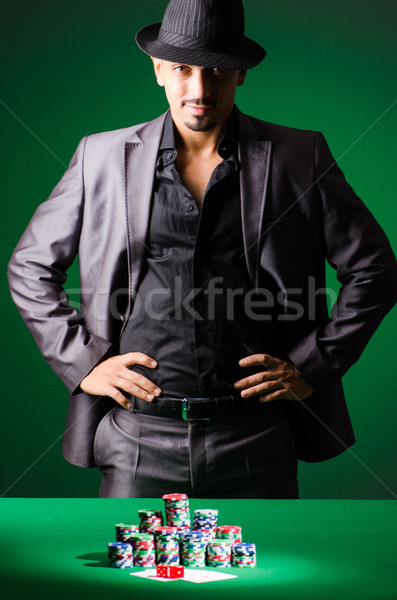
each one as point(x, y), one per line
point(249, 55)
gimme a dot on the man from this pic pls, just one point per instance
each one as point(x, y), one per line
point(203, 358)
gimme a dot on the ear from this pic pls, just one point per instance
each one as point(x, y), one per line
point(241, 76)
point(158, 67)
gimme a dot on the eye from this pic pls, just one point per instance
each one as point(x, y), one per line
point(218, 70)
point(180, 68)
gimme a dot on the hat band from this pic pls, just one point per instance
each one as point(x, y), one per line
point(183, 41)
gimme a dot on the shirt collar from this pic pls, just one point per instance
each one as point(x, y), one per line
point(226, 148)
point(229, 140)
point(167, 151)
point(168, 137)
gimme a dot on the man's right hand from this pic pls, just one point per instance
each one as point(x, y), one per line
point(113, 376)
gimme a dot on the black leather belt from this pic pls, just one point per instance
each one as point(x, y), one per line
point(197, 409)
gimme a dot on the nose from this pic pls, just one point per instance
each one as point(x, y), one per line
point(200, 84)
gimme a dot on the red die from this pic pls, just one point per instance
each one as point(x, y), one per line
point(169, 572)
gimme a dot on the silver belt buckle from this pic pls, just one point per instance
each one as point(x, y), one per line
point(185, 408)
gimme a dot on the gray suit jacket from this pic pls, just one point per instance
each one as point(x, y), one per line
point(297, 211)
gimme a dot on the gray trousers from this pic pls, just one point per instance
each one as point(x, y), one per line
point(145, 456)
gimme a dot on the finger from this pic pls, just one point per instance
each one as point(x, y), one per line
point(138, 358)
point(114, 393)
point(257, 390)
point(254, 380)
point(135, 390)
point(140, 380)
point(279, 395)
point(258, 359)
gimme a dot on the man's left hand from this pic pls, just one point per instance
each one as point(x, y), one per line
point(279, 380)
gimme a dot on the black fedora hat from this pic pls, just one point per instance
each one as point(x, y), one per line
point(206, 33)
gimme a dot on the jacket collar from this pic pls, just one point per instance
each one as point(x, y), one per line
point(254, 157)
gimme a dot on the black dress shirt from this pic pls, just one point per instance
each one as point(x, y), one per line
point(191, 313)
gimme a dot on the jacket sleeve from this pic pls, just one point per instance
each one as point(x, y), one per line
point(356, 246)
point(37, 272)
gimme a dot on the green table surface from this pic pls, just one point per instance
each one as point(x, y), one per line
point(309, 549)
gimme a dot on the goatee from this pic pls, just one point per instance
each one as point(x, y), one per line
point(200, 124)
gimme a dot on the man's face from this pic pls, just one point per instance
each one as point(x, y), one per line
point(199, 97)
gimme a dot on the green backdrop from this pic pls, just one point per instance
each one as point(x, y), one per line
point(72, 68)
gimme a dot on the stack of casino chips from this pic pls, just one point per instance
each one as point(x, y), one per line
point(194, 544)
point(149, 519)
point(205, 520)
point(176, 545)
point(244, 555)
point(124, 532)
point(120, 555)
point(144, 550)
point(177, 510)
point(229, 532)
point(167, 545)
point(219, 553)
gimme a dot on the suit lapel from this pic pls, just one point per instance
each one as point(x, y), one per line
point(254, 156)
point(140, 164)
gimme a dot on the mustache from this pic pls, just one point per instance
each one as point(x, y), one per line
point(199, 101)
